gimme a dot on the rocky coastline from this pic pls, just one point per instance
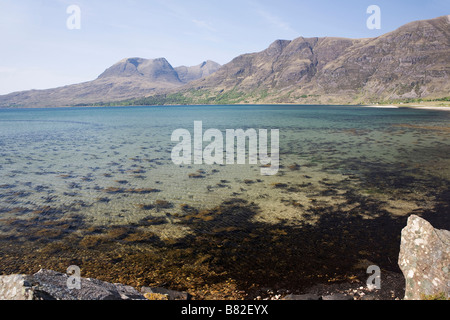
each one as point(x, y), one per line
point(424, 260)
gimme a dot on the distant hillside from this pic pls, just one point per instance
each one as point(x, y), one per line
point(188, 74)
point(129, 78)
point(412, 62)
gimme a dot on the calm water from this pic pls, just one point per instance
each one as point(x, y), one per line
point(97, 188)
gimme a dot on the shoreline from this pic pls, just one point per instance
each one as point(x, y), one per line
point(429, 108)
point(48, 284)
point(443, 108)
point(382, 107)
point(403, 106)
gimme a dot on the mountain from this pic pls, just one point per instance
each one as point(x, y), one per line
point(153, 71)
point(411, 62)
point(188, 74)
point(127, 79)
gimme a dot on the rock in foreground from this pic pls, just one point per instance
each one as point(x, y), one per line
point(51, 285)
point(425, 260)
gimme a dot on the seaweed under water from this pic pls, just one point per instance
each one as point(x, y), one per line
point(107, 199)
point(228, 254)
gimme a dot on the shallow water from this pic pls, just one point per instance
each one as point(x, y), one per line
point(97, 188)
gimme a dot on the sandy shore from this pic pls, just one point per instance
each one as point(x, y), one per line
point(410, 106)
point(430, 108)
point(383, 107)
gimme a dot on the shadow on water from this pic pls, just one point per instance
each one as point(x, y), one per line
point(226, 243)
point(281, 256)
point(332, 240)
point(439, 216)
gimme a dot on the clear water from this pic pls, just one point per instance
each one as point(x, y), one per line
point(111, 167)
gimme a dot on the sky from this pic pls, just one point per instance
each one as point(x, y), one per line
point(40, 50)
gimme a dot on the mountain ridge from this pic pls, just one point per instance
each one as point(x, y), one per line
point(412, 62)
point(126, 79)
point(188, 74)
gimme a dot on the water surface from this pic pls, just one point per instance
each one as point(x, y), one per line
point(96, 187)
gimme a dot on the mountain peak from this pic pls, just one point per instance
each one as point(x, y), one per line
point(158, 70)
point(278, 45)
point(204, 69)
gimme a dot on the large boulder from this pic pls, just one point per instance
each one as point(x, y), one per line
point(51, 285)
point(425, 260)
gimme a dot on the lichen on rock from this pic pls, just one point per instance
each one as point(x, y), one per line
point(425, 260)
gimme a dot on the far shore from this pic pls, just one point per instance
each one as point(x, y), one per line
point(382, 107)
point(430, 108)
point(443, 108)
point(393, 106)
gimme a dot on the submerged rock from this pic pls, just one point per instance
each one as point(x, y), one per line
point(337, 297)
point(302, 297)
point(425, 260)
point(153, 293)
point(315, 297)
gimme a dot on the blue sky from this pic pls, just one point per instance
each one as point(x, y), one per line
point(39, 51)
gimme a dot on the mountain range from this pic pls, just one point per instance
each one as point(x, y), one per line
point(129, 78)
point(409, 63)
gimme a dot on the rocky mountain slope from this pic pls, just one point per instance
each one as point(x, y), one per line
point(129, 78)
point(409, 63)
point(188, 74)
